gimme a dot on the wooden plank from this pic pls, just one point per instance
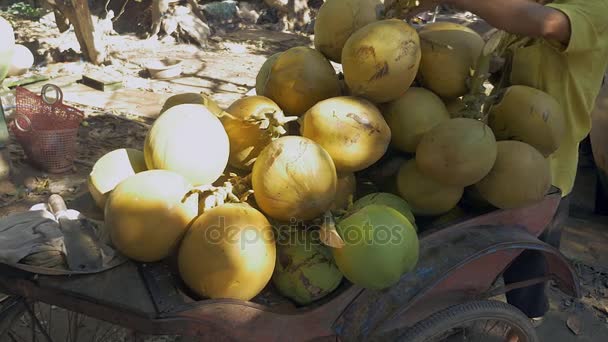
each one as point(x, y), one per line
point(103, 81)
point(25, 81)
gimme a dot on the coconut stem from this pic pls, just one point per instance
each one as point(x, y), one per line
point(235, 190)
point(476, 100)
point(328, 233)
point(400, 8)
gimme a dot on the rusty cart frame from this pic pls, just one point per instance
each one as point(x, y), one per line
point(459, 263)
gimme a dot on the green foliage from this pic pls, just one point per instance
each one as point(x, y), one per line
point(25, 10)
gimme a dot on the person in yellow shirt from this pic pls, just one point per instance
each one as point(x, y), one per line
point(560, 47)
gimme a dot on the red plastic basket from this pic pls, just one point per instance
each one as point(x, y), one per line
point(46, 129)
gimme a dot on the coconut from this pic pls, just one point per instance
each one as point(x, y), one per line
point(229, 252)
point(299, 78)
point(449, 52)
point(458, 152)
point(412, 115)
point(22, 61)
point(426, 196)
point(305, 270)
point(294, 178)
point(146, 215)
point(529, 115)
point(380, 245)
point(192, 98)
point(345, 191)
point(253, 122)
point(351, 129)
point(380, 60)
point(189, 140)
point(7, 37)
point(262, 76)
point(336, 20)
point(388, 199)
point(520, 176)
point(111, 169)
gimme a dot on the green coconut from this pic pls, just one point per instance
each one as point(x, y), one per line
point(412, 115)
point(449, 52)
point(111, 169)
point(458, 152)
point(380, 60)
point(305, 270)
point(426, 196)
point(262, 77)
point(338, 19)
point(299, 78)
point(380, 245)
point(529, 115)
point(520, 176)
point(388, 199)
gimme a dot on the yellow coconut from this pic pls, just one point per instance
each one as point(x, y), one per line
point(351, 129)
point(294, 178)
point(263, 73)
point(111, 169)
point(338, 19)
point(299, 78)
point(7, 46)
point(529, 115)
point(147, 214)
point(458, 152)
point(380, 60)
point(345, 191)
point(229, 252)
point(449, 52)
point(412, 115)
point(192, 98)
point(254, 121)
point(190, 140)
point(22, 61)
point(426, 196)
point(520, 176)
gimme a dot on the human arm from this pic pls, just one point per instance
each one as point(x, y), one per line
point(522, 17)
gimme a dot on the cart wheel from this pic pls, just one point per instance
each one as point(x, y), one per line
point(474, 321)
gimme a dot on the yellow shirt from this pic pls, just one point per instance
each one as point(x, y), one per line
point(572, 74)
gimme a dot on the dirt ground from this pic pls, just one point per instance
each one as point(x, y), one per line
point(226, 69)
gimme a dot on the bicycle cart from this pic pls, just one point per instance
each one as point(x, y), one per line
point(449, 293)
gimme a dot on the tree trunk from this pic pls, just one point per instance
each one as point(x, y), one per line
point(79, 15)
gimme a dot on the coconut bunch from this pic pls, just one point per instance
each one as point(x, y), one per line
point(322, 177)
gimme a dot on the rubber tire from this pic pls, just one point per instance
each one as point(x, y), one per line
point(461, 313)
